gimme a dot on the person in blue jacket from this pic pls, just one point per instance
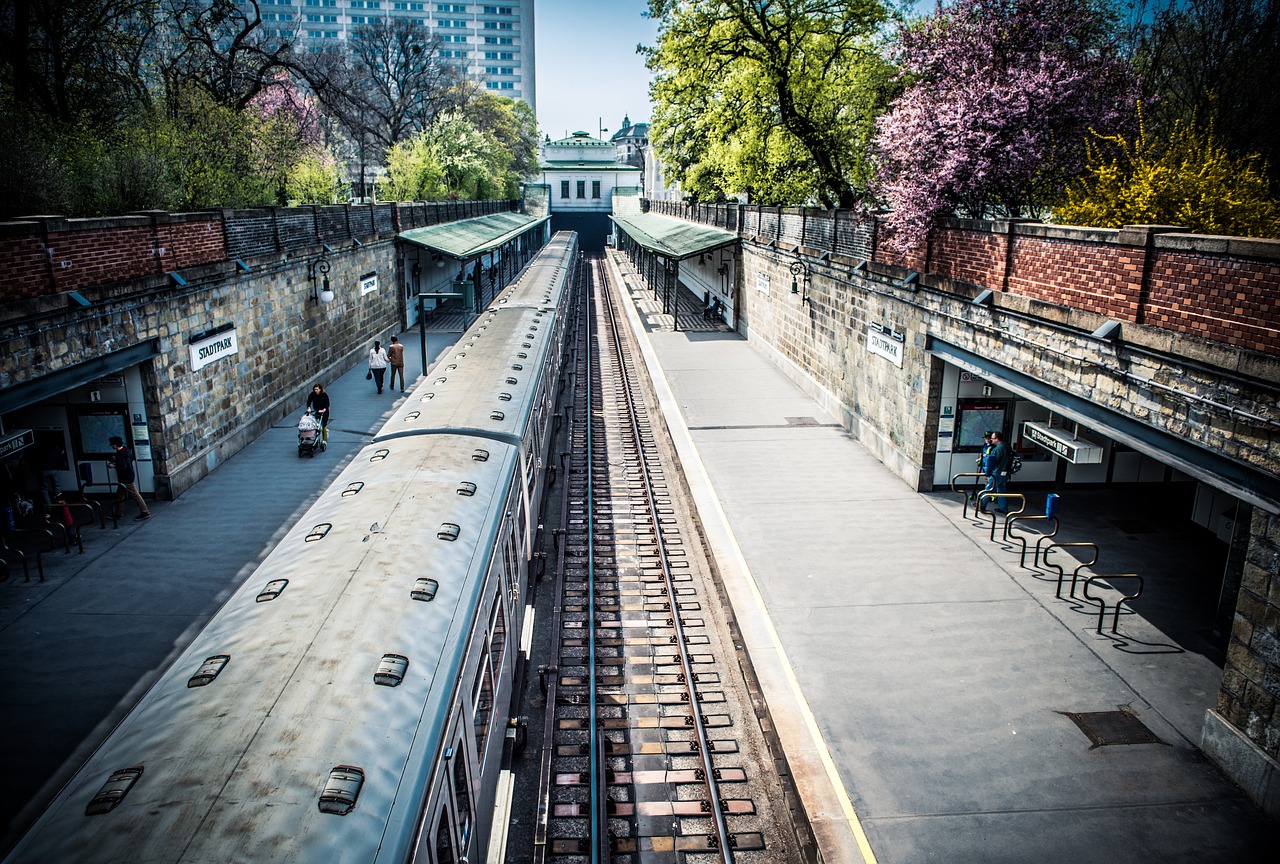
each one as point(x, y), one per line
point(999, 463)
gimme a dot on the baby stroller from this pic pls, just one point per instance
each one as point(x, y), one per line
point(309, 437)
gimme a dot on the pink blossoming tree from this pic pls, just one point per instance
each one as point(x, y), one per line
point(1002, 96)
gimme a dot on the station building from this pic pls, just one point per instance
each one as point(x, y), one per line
point(581, 175)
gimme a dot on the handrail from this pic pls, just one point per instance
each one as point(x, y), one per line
point(965, 498)
point(1124, 598)
point(1075, 573)
point(1021, 501)
point(1009, 525)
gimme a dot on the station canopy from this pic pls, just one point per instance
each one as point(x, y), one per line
point(471, 237)
point(673, 238)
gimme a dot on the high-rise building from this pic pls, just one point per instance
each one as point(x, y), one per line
point(491, 44)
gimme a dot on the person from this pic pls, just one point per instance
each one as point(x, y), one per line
point(318, 401)
point(984, 466)
point(127, 477)
point(377, 364)
point(395, 354)
point(999, 462)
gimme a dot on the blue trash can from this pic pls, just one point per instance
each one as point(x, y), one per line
point(1051, 504)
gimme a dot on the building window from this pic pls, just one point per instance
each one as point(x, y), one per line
point(507, 85)
point(582, 188)
point(564, 188)
point(498, 40)
point(595, 188)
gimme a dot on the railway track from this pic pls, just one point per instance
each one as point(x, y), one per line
point(644, 757)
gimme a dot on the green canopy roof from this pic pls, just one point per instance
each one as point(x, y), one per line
point(673, 238)
point(471, 237)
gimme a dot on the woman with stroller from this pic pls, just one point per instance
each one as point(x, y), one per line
point(378, 364)
point(318, 401)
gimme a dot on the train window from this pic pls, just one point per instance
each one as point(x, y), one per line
point(391, 669)
point(444, 842)
point(208, 670)
point(353, 489)
point(341, 790)
point(318, 532)
point(497, 634)
point(462, 798)
point(449, 531)
point(424, 589)
point(113, 791)
point(480, 455)
point(482, 704)
point(272, 590)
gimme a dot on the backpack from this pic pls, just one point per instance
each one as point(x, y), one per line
point(1015, 465)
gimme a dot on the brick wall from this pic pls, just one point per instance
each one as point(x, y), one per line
point(47, 255)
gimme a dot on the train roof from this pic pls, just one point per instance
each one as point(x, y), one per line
point(233, 769)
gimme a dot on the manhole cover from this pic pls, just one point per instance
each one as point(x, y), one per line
point(1105, 728)
point(801, 421)
point(1132, 526)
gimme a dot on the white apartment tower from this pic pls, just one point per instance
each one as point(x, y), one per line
point(491, 43)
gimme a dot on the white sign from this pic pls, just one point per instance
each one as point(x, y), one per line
point(1078, 451)
point(762, 283)
point(213, 348)
point(885, 346)
point(368, 284)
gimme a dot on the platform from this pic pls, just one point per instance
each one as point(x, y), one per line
point(921, 680)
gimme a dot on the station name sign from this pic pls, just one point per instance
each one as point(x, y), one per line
point(20, 440)
point(1077, 451)
point(885, 342)
point(208, 349)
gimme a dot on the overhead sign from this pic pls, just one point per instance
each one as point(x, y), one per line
point(213, 348)
point(885, 343)
point(19, 440)
point(1077, 451)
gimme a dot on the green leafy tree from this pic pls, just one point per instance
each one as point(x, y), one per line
point(314, 179)
point(1185, 177)
point(777, 98)
point(413, 172)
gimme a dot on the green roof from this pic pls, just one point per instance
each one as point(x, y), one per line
point(471, 237)
point(585, 165)
point(673, 238)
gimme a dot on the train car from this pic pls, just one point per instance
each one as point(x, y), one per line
point(348, 703)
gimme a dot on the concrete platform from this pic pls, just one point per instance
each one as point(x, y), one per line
point(78, 650)
point(919, 678)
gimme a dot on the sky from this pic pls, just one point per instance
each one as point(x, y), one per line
point(588, 71)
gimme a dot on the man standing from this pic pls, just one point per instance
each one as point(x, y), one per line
point(984, 465)
point(127, 478)
point(395, 354)
point(1000, 461)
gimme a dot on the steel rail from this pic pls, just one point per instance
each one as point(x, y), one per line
point(599, 794)
point(704, 747)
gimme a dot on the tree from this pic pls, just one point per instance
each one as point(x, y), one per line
point(1214, 62)
point(775, 97)
point(511, 122)
point(1185, 177)
point(1001, 98)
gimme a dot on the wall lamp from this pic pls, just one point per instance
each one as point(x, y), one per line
point(800, 271)
point(322, 267)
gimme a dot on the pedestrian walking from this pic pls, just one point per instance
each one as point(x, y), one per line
point(318, 401)
point(127, 478)
point(984, 465)
point(395, 354)
point(377, 364)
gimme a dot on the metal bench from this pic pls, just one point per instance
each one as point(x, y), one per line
point(966, 497)
point(1108, 580)
point(1075, 574)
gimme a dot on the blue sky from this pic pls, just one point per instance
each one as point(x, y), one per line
point(588, 68)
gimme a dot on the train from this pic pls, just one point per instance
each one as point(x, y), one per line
point(348, 703)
